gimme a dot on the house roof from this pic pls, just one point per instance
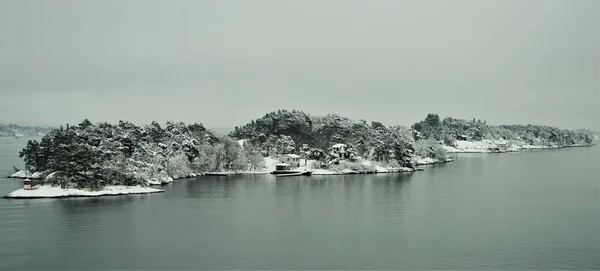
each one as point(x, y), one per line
point(339, 145)
point(283, 164)
point(293, 155)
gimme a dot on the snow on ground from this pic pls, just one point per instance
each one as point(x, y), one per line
point(377, 167)
point(191, 175)
point(320, 171)
point(268, 167)
point(241, 142)
point(478, 146)
point(381, 169)
point(23, 174)
point(471, 146)
point(270, 164)
point(484, 146)
point(425, 161)
point(47, 191)
point(310, 166)
point(159, 181)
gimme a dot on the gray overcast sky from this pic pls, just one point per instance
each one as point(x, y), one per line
point(224, 62)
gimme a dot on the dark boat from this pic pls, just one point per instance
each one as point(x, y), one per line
point(304, 173)
point(217, 174)
point(289, 174)
point(279, 172)
point(284, 168)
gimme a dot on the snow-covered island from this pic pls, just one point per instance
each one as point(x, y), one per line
point(48, 191)
point(125, 158)
point(54, 186)
point(374, 148)
point(14, 130)
point(106, 159)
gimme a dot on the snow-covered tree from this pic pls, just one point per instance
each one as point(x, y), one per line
point(89, 155)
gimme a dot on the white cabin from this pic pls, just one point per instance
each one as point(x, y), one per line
point(340, 150)
point(291, 159)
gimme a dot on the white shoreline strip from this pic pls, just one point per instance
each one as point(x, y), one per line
point(47, 191)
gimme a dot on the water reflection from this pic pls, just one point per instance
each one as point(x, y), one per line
point(390, 195)
point(353, 189)
point(100, 224)
point(289, 190)
point(212, 187)
point(94, 216)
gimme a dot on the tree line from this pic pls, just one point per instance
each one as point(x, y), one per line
point(313, 137)
point(450, 129)
point(94, 155)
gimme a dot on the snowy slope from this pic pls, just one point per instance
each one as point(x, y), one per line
point(24, 174)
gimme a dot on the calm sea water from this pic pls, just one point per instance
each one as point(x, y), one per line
point(529, 210)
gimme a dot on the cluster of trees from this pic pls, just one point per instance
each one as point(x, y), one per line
point(591, 133)
point(14, 130)
point(93, 155)
point(313, 136)
point(449, 129)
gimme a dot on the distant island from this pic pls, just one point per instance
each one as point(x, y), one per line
point(14, 130)
point(97, 159)
point(591, 133)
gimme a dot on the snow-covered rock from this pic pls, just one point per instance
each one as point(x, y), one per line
point(323, 172)
point(22, 174)
point(425, 161)
point(348, 171)
point(159, 180)
point(381, 169)
point(47, 191)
